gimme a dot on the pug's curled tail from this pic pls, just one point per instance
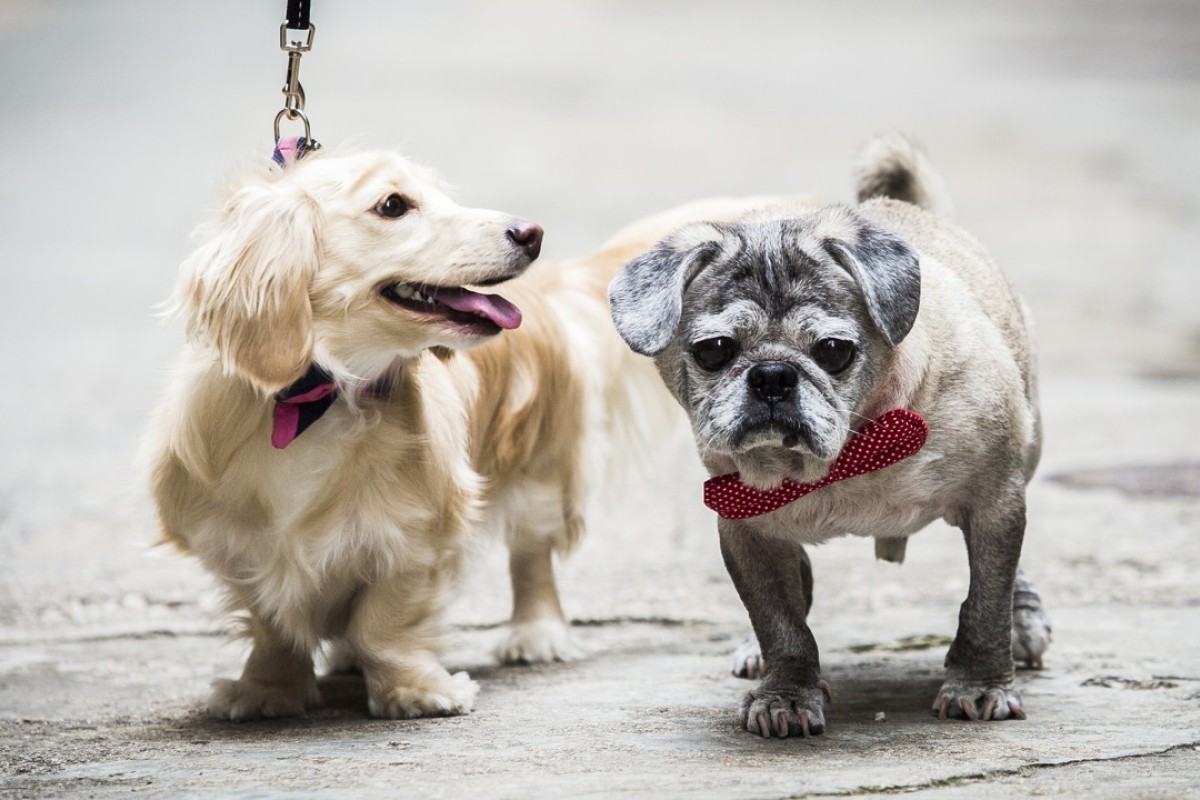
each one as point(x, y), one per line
point(896, 167)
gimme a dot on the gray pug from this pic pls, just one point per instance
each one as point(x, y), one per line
point(782, 328)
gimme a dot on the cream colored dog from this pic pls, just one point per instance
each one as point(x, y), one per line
point(350, 268)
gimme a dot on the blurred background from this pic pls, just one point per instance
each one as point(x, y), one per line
point(1066, 130)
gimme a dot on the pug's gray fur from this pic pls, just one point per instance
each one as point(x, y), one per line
point(938, 330)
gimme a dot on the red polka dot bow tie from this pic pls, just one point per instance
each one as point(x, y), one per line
point(889, 438)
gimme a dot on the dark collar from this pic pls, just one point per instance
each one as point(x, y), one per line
point(301, 404)
point(305, 401)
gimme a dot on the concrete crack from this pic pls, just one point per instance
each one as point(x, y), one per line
point(981, 777)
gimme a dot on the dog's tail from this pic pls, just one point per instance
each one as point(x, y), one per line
point(896, 167)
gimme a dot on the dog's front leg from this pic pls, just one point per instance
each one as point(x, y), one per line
point(277, 681)
point(769, 574)
point(979, 665)
point(395, 631)
point(747, 658)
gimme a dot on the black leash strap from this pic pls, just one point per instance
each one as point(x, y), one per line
point(294, 45)
point(297, 15)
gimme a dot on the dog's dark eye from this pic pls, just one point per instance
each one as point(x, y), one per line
point(393, 206)
point(712, 354)
point(833, 355)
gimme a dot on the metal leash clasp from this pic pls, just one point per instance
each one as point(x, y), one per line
point(293, 91)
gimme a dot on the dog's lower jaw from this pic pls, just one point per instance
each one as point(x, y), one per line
point(766, 467)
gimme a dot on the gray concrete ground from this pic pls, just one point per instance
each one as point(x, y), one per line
point(1067, 132)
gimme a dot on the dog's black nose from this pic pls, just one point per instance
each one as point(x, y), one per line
point(527, 236)
point(772, 381)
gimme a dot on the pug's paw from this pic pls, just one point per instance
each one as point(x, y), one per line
point(794, 711)
point(1031, 632)
point(747, 659)
point(977, 701)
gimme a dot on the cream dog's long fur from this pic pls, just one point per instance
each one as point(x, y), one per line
point(354, 533)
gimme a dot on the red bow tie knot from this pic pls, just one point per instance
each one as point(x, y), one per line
point(889, 438)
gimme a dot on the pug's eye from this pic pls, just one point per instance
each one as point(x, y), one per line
point(393, 206)
point(712, 354)
point(833, 355)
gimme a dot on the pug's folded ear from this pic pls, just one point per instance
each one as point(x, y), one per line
point(646, 297)
point(887, 270)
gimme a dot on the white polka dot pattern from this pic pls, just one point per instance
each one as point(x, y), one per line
point(892, 437)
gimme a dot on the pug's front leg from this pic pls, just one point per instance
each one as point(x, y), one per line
point(979, 665)
point(768, 573)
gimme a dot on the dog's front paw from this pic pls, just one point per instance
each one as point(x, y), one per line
point(747, 659)
point(538, 641)
point(248, 699)
point(443, 696)
point(977, 701)
point(797, 711)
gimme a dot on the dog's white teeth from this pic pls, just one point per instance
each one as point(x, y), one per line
point(407, 292)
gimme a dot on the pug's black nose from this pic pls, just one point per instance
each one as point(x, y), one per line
point(527, 236)
point(772, 381)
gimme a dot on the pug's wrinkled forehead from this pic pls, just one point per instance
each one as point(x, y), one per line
point(824, 260)
point(765, 273)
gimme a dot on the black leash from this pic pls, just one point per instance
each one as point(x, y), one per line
point(297, 15)
point(295, 38)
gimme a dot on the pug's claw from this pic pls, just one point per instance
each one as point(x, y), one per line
point(977, 701)
point(968, 709)
point(747, 660)
point(797, 711)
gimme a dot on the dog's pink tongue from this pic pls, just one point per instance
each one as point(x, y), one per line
point(492, 306)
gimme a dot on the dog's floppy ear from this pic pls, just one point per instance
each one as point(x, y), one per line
point(246, 288)
point(887, 270)
point(646, 297)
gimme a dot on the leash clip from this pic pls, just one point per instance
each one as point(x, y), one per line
point(293, 90)
point(294, 45)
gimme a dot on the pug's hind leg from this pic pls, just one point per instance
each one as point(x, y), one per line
point(1031, 631)
point(747, 658)
point(769, 576)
